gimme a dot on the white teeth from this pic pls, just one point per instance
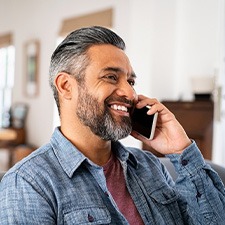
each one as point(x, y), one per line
point(124, 108)
point(119, 108)
point(114, 107)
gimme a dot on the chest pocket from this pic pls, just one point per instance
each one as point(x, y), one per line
point(86, 216)
point(165, 204)
point(164, 196)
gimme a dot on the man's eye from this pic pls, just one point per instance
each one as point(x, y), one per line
point(131, 82)
point(112, 77)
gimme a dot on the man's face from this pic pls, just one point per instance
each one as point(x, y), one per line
point(107, 97)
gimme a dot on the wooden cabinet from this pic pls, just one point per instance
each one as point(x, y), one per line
point(197, 119)
point(10, 138)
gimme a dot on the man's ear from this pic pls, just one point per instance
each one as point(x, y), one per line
point(64, 84)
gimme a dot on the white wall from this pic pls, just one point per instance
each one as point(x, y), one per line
point(41, 19)
point(172, 41)
point(168, 42)
point(197, 46)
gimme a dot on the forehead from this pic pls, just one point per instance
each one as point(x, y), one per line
point(106, 55)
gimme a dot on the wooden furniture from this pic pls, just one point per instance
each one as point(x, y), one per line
point(197, 119)
point(10, 138)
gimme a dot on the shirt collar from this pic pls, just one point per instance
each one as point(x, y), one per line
point(124, 154)
point(70, 158)
point(68, 155)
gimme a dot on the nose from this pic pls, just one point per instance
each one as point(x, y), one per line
point(126, 90)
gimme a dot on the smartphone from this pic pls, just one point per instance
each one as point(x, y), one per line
point(143, 123)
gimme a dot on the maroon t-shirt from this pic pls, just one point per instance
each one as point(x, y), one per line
point(117, 186)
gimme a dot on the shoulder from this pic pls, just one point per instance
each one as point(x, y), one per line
point(36, 163)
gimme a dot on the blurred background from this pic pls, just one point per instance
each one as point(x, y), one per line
point(176, 47)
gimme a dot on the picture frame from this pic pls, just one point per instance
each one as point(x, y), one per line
point(32, 51)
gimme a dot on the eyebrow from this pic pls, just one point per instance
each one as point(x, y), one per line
point(118, 70)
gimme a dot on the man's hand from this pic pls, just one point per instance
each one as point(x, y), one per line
point(170, 136)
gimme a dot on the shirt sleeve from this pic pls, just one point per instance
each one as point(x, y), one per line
point(21, 202)
point(202, 194)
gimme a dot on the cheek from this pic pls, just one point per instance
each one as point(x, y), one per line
point(103, 93)
point(75, 100)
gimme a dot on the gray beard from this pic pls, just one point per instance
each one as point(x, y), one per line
point(100, 121)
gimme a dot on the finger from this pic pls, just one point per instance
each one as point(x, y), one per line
point(153, 104)
point(157, 107)
point(144, 101)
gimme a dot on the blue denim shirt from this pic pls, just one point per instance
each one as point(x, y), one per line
point(57, 184)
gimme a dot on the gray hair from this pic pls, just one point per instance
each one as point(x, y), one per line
point(71, 54)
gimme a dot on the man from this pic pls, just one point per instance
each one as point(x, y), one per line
point(84, 175)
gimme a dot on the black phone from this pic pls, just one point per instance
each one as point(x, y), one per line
point(143, 123)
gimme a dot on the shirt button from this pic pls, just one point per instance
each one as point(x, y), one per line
point(184, 162)
point(90, 218)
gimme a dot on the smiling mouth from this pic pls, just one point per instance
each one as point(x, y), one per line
point(119, 108)
point(122, 106)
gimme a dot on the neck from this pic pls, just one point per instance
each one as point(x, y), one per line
point(92, 146)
